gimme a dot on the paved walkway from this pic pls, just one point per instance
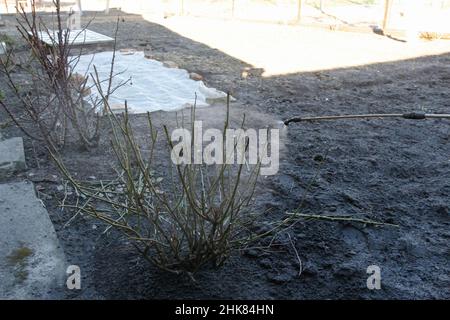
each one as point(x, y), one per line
point(32, 263)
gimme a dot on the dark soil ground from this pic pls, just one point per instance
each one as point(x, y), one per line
point(394, 171)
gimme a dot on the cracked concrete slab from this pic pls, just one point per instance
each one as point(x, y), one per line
point(32, 263)
point(12, 157)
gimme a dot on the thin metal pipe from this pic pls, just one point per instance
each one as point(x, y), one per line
point(411, 116)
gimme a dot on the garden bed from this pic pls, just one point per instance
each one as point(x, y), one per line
point(394, 171)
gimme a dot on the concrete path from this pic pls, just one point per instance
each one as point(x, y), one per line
point(32, 263)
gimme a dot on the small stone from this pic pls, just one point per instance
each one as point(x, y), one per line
point(309, 269)
point(148, 53)
point(252, 253)
point(60, 188)
point(332, 208)
point(78, 79)
point(265, 263)
point(261, 228)
point(251, 72)
point(86, 92)
point(117, 108)
point(280, 278)
point(442, 210)
point(348, 197)
point(195, 76)
point(345, 271)
point(127, 52)
point(170, 64)
point(318, 158)
point(79, 83)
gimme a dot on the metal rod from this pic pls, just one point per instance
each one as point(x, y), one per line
point(411, 116)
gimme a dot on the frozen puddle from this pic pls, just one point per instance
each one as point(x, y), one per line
point(150, 87)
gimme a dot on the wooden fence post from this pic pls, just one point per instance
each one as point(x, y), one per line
point(232, 9)
point(79, 7)
point(299, 10)
point(107, 7)
point(387, 14)
point(6, 6)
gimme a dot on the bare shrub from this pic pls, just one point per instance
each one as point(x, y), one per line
point(197, 214)
point(51, 98)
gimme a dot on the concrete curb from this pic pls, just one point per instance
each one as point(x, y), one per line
point(12, 157)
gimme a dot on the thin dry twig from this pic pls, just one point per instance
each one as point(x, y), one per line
point(341, 218)
point(300, 268)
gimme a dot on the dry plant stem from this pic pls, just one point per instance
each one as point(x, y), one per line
point(300, 267)
point(341, 218)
